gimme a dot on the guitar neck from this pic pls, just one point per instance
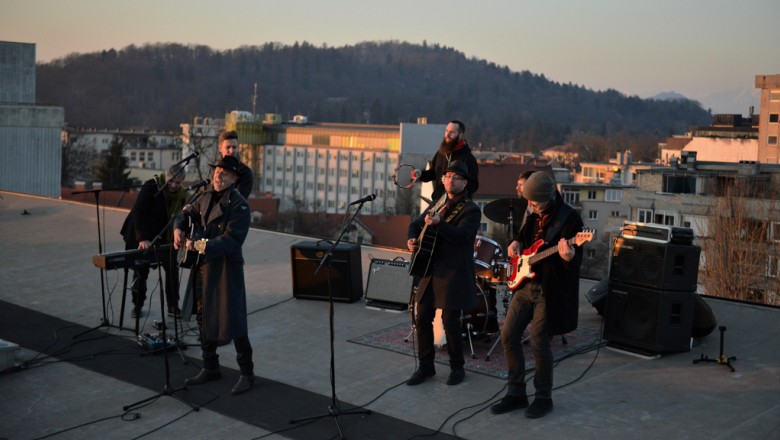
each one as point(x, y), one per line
point(548, 252)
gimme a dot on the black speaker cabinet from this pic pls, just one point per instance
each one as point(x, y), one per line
point(346, 273)
point(647, 320)
point(663, 266)
point(389, 284)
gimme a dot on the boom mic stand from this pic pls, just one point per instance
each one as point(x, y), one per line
point(334, 410)
point(167, 389)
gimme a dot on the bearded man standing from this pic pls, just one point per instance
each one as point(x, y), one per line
point(453, 147)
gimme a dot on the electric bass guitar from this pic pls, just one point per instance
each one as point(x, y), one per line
point(421, 259)
point(519, 270)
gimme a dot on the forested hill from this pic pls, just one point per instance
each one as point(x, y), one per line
point(163, 85)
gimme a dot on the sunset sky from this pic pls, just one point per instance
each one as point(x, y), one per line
point(709, 50)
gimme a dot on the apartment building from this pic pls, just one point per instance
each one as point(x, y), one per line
point(769, 120)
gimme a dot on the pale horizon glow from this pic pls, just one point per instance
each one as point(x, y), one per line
point(698, 48)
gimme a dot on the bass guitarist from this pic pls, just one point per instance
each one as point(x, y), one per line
point(447, 281)
point(548, 302)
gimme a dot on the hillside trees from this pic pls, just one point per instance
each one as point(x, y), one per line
point(160, 85)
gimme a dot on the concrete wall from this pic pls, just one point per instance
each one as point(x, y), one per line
point(31, 149)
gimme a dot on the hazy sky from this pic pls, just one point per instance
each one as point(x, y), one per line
point(699, 48)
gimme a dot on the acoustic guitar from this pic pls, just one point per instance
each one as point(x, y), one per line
point(189, 259)
point(421, 258)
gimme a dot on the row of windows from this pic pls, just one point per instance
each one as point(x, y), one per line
point(320, 154)
point(356, 174)
point(320, 186)
point(572, 197)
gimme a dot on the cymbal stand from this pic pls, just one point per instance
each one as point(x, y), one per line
point(722, 359)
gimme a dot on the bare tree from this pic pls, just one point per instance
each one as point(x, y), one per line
point(78, 161)
point(204, 142)
point(739, 246)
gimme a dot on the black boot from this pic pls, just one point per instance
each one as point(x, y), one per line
point(203, 376)
point(509, 403)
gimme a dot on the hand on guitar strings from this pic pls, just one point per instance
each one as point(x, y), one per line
point(432, 218)
point(565, 250)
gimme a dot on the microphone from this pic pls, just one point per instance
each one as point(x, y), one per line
point(200, 184)
point(365, 199)
point(190, 157)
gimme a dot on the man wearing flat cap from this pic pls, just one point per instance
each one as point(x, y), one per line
point(223, 215)
point(549, 301)
point(449, 281)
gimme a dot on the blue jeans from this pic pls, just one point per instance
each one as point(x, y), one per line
point(527, 307)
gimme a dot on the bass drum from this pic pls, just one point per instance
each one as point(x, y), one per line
point(483, 318)
point(480, 320)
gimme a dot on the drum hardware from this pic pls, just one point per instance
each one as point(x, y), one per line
point(506, 297)
point(481, 320)
point(486, 254)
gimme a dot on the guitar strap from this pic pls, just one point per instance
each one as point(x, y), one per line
point(451, 215)
point(457, 209)
point(560, 218)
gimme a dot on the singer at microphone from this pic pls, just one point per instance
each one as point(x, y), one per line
point(365, 199)
point(200, 184)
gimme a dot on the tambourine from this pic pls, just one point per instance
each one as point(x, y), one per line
point(404, 176)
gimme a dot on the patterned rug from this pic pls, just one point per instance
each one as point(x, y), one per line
point(399, 339)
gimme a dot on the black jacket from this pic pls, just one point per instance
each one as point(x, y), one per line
point(452, 263)
point(560, 279)
point(439, 166)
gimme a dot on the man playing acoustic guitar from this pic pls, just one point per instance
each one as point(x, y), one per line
point(548, 301)
point(447, 279)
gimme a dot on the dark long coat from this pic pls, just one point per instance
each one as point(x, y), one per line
point(223, 290)
point(560, 279)
point(451, 274)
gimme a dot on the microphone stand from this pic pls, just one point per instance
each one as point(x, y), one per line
point(104, 319)
point(167, 389)
point(334, 410)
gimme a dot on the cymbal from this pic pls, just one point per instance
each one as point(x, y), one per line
point(499, 210)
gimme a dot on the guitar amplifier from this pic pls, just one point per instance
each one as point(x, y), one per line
point(345, 272)
point(389, 284)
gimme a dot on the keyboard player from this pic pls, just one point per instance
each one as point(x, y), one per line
point(149, 216)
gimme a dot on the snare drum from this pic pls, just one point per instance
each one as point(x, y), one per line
point(486, 252)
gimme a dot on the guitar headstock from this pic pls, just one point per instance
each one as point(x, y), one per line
point(583, 237)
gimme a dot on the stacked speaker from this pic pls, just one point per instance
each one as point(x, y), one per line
point(652, 291)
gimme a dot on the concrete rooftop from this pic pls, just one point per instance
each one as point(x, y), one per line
point(77, 387)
